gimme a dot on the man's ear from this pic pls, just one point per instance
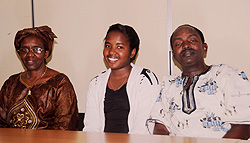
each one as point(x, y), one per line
point(205, 47)
point(173, 53)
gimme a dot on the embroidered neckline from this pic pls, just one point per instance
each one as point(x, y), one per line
point(30, 86)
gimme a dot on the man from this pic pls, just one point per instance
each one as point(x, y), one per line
point(204, 101)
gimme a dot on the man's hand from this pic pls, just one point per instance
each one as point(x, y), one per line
point(238, 131)
point(160, 129)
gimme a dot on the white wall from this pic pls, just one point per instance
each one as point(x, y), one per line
point(81, 27)
point(82, 24)
point(225, 24)
point(14, 15)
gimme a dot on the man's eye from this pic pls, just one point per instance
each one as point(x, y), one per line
point(192, 40)
point(178, 44)
point(120, 47)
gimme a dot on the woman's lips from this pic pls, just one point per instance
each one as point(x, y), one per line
point(112, 59)
point(30, 62)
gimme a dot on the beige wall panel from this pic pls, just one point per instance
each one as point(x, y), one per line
point(225, 24)
point(81, 26)
point(15, 15)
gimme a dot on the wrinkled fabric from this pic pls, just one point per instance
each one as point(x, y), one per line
point(51, 105)
point(43, 32)
point(221, 94)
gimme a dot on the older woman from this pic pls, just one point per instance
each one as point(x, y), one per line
point(40, 97)
point(120, 99)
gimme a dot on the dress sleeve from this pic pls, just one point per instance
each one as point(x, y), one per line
point(147, 93)
point(236, 89)
point(159, 112)
point(66, 107)
point(3, 100)
point(92, 119)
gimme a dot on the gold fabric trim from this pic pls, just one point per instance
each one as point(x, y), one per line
point(22, 116)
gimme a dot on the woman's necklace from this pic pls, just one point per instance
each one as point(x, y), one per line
point(29, 87)
point(122, 82)
point(119, 86)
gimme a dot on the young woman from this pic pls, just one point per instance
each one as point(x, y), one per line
point(119, 100)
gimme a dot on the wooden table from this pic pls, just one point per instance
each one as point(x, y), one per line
point(56, 136)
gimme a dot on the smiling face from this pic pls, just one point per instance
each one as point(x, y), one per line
point(31, 60)
point(117, 52)
point(188, 48)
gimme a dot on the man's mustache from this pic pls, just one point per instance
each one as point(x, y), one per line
point(183, 52)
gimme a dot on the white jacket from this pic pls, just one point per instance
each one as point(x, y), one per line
point(142, 88)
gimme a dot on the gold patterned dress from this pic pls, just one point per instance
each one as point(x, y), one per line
point(49, 105)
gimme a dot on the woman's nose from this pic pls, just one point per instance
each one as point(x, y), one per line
point(111, 50)
point(30, 53)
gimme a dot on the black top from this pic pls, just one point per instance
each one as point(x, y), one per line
point(116, 110)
